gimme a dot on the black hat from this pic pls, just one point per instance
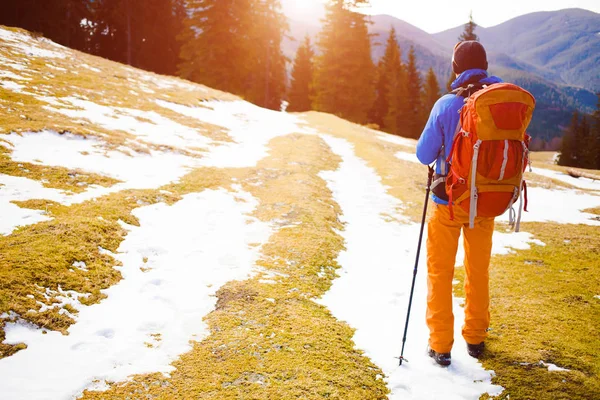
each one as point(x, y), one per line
point(469, 54)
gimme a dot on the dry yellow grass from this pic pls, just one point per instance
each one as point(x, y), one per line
point(289, 347)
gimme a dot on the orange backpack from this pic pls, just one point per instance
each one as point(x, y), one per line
point(490, 153)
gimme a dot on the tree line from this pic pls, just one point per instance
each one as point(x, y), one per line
point(581, 143)
point(142, 34)
point(236, 46)
point(340, 77)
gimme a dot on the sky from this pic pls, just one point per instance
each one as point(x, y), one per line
point(437, 15)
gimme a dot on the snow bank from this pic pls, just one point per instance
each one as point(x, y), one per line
point(250, 127)
point(27, 45)
point(581, 183)
point(160, 130)
point(559, 206)
point(386, 137)
point(192, 249)
point(373, 289)
point(13, 188)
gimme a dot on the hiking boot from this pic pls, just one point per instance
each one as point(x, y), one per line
point(442, 359)
point(476, 350)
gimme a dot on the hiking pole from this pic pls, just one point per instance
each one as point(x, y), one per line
point(412, 289)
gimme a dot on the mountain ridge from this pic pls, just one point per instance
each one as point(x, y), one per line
point(559, 87)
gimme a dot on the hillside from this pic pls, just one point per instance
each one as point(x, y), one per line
point(161, 239)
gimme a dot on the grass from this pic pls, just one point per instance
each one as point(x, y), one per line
point(290, 347)
point(543, 309)
point(41, 256)
point(75, 181)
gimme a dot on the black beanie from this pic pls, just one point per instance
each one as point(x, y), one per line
point(469, 54)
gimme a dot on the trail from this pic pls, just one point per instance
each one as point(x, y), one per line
point(372, 292)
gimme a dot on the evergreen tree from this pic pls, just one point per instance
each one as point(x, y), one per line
point(390, 86)
point(450, 81)
point(596, 136)
point(411, 118)
point(380, 105)
point(301, 91)
point(469, 32)
point(431, 92)
point(266, 65)
point(344, 73)
point(584, 153)
point(568, 150)
point(214, 44)
point(58, 20)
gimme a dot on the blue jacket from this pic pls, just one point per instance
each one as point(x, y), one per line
point(443, 120)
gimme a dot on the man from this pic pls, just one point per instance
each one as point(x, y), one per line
point(470, 65)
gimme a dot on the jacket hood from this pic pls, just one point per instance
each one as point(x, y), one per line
point(473, 76)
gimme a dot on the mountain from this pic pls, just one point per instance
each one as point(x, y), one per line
point(565, 43)
point(559, 65)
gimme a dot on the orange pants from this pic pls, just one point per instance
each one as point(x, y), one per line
point(442, 244)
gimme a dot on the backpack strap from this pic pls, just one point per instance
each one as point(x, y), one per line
point(469, 90)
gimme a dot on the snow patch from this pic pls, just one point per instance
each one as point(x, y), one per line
point(411, 157)
point(553, 367)
point(182, 274)
point(250, 126)
point(581, 183)
point(14, 188)
point(11, 75)
point(27, 44)
point(15, 87)
point(153, 128)
point(386, 137)
point(137, 171)
point(90, 68)
point(560, 206)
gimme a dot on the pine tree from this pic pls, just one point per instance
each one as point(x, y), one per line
point(267, 63)
point(214, 44)
point(344, 73)
point(380, 104)
point(596, 135)
point(431, 92)
point(568, 150)
point(585, 158)
point(301, 91)
point(412, 121)
point(390, 91)
point(450, 81)
point(58, 20)
point(469, 32)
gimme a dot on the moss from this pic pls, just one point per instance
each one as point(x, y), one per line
point(292, 347)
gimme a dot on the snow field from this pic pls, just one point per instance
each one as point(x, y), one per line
point(191, 249)
point(373, 289)
point(250, 126)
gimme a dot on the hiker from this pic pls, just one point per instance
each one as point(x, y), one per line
point(470, 65)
